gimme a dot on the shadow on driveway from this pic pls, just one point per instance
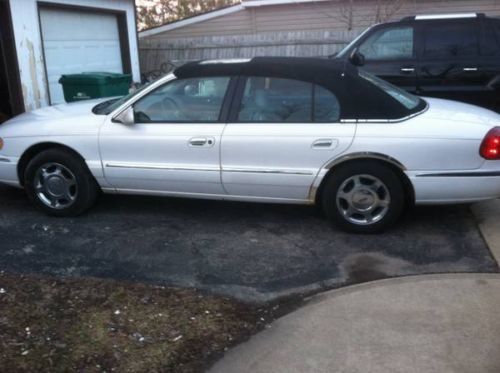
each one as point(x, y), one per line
point(254, 252)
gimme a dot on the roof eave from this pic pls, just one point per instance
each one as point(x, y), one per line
point(219, 13)
point(190, 21)
point(257, 3)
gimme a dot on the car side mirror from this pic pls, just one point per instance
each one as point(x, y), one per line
point(126, 117)
point(357, 58)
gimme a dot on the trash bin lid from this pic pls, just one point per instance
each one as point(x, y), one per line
point(95, 78)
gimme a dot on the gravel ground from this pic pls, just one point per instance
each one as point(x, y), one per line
point(95, 325)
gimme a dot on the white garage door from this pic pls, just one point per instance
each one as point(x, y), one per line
point(76, 42)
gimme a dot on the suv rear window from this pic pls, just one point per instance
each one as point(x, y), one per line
point(449, 40)
point(490, 41)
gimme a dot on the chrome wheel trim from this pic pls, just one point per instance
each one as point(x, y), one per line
point(56, 186)
point(363, 199)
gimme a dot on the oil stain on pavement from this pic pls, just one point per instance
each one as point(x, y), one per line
point(253, 252)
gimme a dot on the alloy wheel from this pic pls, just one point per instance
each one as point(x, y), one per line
point(56, 186)
point(363, 199)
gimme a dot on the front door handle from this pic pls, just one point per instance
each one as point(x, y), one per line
point(202, 141)
point(470, 69)
point(326, 144)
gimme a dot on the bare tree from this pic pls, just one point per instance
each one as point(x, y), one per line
point(386, 9)
point(347, 11)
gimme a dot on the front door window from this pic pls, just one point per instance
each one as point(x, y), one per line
point(389, 44)
point(194, 100)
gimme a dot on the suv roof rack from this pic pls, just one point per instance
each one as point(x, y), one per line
point(427, 17)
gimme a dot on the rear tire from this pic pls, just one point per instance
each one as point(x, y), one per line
point(59, 183)
point(363, 197)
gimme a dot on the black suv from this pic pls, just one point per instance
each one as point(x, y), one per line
point(450, 56)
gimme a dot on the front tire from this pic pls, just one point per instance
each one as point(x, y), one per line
point(59, 183)
point(363, 197)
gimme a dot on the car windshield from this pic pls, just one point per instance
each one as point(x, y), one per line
point(408, 100)
point(346, 49)
point(107, 107)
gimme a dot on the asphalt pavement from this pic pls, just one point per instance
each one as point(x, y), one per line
point(254, 252)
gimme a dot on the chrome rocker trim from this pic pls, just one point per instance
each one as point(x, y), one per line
point(242, 170)
point(461, 174)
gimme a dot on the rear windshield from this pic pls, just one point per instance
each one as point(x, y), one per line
point(406, 99)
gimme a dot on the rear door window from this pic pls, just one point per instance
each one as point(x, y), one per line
point(326, 105)
point(496, 24)
point(273, 100)
point(450, 40)
point(496, 28)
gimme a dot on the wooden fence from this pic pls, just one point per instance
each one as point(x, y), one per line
point(154, 52)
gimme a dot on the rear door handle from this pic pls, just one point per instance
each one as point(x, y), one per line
point(326, 144)
point(202, 141)
point(470, 69)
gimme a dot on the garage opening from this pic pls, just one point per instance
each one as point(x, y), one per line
point(11, 101)
point(5, 108)
point(76, 40)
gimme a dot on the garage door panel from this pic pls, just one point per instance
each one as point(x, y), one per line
point(76, 42)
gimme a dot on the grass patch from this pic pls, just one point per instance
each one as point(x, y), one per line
point(94, 325)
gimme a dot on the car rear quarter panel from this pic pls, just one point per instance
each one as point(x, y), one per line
point(418, 151)
point(444, 140)
point(446, 137)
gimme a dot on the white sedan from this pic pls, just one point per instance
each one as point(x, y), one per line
point(279, 130)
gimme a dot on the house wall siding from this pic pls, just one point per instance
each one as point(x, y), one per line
point(307, 29)
point(329, 15)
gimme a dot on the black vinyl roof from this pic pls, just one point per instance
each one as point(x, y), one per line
point(307, 69)
point(338, 76)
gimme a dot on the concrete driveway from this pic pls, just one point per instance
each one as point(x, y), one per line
point(432, 324)
point(250, 251)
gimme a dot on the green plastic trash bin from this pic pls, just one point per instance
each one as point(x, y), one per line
point(85, 86)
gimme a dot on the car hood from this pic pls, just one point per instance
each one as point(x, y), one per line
point(59, 111)
point(64, 119)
